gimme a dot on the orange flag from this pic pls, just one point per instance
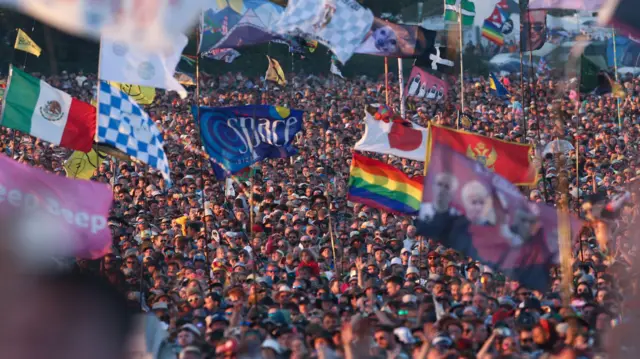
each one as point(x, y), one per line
point(510, 160)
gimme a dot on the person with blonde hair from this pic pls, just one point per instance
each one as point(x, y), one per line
point(478, 204)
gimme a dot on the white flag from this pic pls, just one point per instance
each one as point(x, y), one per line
point(335, 70)
point(341, 25)
point(581, 5)
point(150, 24)
point(406, 140)
point(122, 63)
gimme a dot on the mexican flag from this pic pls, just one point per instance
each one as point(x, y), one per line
point(32, 106)
point(452, 7)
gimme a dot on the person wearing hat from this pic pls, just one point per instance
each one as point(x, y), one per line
point(188, 334)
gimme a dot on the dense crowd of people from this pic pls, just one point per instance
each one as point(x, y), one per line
point(276, 263)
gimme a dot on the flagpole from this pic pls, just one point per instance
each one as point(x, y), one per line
point(400, 83)
point(201, 147)
point(522, 92)
point(24, 64)
point(461, 64)
point(386, 80)
point(615, 67)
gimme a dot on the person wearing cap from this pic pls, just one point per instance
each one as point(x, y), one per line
point(386, 341)
point(188, 334)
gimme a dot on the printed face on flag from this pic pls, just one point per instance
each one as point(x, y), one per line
point(389, 39)
point(473, 210)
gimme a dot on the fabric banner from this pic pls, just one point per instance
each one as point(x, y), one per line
point(424, 85)
point(534, 30)
point(508, 159)
point(623, 15)
point(479, 213)
point(392, 40)
point(580, 5)
point(121, 63)
point(123, 125)
point(237, 137)
point(24, 43)
point(143, 95)
point(229, 24)
point(274, 72)
point(146, 24)
point(341, 25)
point(66, 217)
point(390, 134)
point(82, 165)
point(380, 185)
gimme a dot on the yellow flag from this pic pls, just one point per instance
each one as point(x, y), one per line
point(182, 221)
point(143, 95)
point(275, 73)
point(24, 43)
point(82, 165)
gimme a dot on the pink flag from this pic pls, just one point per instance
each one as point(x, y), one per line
point(56, 215)
point(422, 84)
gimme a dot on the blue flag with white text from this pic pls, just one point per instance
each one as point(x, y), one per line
point(237, 137)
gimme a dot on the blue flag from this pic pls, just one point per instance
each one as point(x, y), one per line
point(497, 88)
point(237, 137)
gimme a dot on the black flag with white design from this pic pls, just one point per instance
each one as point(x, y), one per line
point(442, 57)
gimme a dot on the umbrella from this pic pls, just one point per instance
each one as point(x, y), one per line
point(557, 146)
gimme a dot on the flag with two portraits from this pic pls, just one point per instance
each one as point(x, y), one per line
point(473, 210)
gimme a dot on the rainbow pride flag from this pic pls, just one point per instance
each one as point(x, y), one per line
point(492, 32)
point(379, 185)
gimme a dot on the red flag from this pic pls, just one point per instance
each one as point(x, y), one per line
point(422, 84)
point(510, 160)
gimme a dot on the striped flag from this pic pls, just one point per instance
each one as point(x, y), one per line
point(383, 186)
point(32, 106)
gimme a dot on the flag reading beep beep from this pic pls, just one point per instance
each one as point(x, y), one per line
point(24, 43)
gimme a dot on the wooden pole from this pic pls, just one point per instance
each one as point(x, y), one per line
point(386, 80)
point(461, 63)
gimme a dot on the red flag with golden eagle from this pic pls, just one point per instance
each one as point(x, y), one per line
point(510, 160)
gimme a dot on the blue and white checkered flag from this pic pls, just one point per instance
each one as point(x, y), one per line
point(125, 126)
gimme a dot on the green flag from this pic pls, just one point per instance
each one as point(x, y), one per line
point(588, 75)
point(453, 7)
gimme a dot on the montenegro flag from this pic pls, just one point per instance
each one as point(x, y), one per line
point(510, 160)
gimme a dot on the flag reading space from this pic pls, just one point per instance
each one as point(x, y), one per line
point(237, 137)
